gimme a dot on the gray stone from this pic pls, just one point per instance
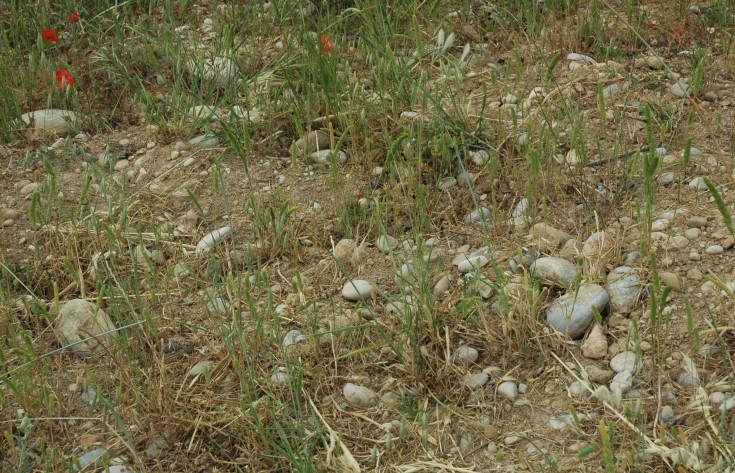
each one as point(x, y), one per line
point(78, 320)
point(554, 270)
point(466, 354)
point(294, 337)
point(624, 361)
point(471, 263)
point(508, 390)
point(201, 368)
point(477, 215)
point(572, 313)
point(714, 250)
point(622, 381)
point(681, 89)
point(220, 71)
point(624, 288)
point(51, 119)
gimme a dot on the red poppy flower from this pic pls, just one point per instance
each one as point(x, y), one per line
point(49, 35)
point(74, 17)
point(326, 44)
point(64, 77)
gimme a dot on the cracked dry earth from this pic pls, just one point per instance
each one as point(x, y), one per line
point(449, 339)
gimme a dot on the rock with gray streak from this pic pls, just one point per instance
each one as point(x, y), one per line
point(572, 313)
point(554, 270)
point(80, 320)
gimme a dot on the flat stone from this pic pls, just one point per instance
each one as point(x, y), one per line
point(51, 119)
point(715, 250)
point(622, 381)
point(357, 290)
point(78, 320)
point(220, 71)
point(624, 361)
point(696, 222)
point(572, 313)
point(471, 263)
point(546, 238)
point(698, 184)
point(680, 89)
point(554, 270)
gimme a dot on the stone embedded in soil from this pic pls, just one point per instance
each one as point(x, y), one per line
point(316, 140)
point(624, 361)
point(79, 321)
point(572, 313)
point(508, 390)
point(624, 288)
point(280, 378)
point(477, 215)
point(595, 346)
point(696, 222)
point(666, 178)
point(357, 290)
point(211, 239)
point(554, 270)
point(359, 396)
point(447, 183)
point(477, 380)
point(217, 306)
point(51, 119)
point(466, 354)
point(714, 250)
point(442, 286)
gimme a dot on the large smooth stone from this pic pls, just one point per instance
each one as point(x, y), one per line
point(624, 288)
point(51, 119)
point(572, 313)
point(358, 289)
point(78, 321)
point(554, 270)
